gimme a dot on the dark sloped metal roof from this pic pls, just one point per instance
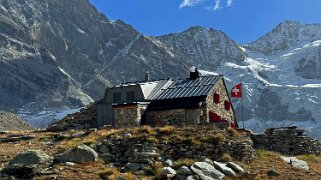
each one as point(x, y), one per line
point(188, 88)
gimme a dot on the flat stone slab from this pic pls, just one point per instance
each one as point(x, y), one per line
point(296, 163)
point(206, 171)
point(223, 168)
point(235, 167)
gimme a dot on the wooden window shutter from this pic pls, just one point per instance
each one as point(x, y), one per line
point(227, 105)
point(216, 98)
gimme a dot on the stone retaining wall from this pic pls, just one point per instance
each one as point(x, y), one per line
point(289, 140)
point(123, 150)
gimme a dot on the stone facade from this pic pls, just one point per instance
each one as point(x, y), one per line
point(219, 108)
point(129, 115)
point(196, 116)
point(174, 117)
point(290, 141)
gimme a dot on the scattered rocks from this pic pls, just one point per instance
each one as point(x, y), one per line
point(209, 161)
point(206, 171)
point(288, 140)
point(296, 163)
point(133, 166)
point(168, 162)
point(84, 119)
point(224, 169)
point(168, 170)
point(81, 153)
point(127, 135)
point(27, 164)
point(235, 167)
point(15, 138)
point(184, 170)
point(273, 173)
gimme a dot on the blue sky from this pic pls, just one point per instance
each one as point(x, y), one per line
point(242, 20)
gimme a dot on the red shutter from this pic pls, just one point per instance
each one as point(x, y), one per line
point(216, 98)
point(215, 117)
point(227, 105)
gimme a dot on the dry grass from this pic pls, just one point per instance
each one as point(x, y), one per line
point(157, 168)
point(109, 173)
point(165, 130)
point(268, 160)
point(92, 138)
point(225, 158)
point(152, 139)
point(183, 162)
point(233, 132)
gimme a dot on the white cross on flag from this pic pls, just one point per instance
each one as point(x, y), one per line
point(236, 91)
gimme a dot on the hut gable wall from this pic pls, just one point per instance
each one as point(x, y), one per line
point(219, 108)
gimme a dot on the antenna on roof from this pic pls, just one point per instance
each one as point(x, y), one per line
point(147, 76)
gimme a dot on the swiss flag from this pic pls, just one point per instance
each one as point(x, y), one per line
point(236, 91)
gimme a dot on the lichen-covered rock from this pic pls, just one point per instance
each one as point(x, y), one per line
point(81, 153)
point(235, 167)
point(296, 163)
point(206, 171)
point(168, 170)
point(184, 170)
point(27, 164)
point(223, 168)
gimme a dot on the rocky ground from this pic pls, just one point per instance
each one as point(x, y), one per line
point(84, 119)
point(10, 121)
point(82, 155)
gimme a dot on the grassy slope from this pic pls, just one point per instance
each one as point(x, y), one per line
point(258, 168)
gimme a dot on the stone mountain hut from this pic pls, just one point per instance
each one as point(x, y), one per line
point(197, 100)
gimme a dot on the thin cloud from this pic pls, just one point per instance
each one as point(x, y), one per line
point(216, 7)
point(229, 3)
point(189, 3)
point(218, 4)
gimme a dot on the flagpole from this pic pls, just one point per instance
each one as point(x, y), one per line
point(242, 103)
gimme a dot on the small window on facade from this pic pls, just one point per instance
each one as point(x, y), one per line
point(116, 97)
point(216, 98)
point(227, 105)
point(130, 96)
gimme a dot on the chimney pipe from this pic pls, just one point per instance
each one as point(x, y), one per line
point(194, 74)
point(147, 76)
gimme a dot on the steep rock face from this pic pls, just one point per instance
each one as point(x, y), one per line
point(206, 48)
point(285, 35)
point(51, 52)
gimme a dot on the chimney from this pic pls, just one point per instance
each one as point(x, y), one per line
point(147, 77)
point(194, 73)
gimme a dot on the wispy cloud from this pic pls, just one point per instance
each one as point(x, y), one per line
point(219, 4)
point(189, 3)
point(216, 7)
point(229, 3)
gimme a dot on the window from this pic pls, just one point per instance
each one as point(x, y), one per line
point(216, 98)
point(130, 96)
point(116, 97)
point(227, 105)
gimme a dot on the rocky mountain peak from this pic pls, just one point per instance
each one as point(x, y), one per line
point(286, 35)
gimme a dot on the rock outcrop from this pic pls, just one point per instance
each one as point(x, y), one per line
point(81, 153)
point(11, 122)
point(26, 165)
